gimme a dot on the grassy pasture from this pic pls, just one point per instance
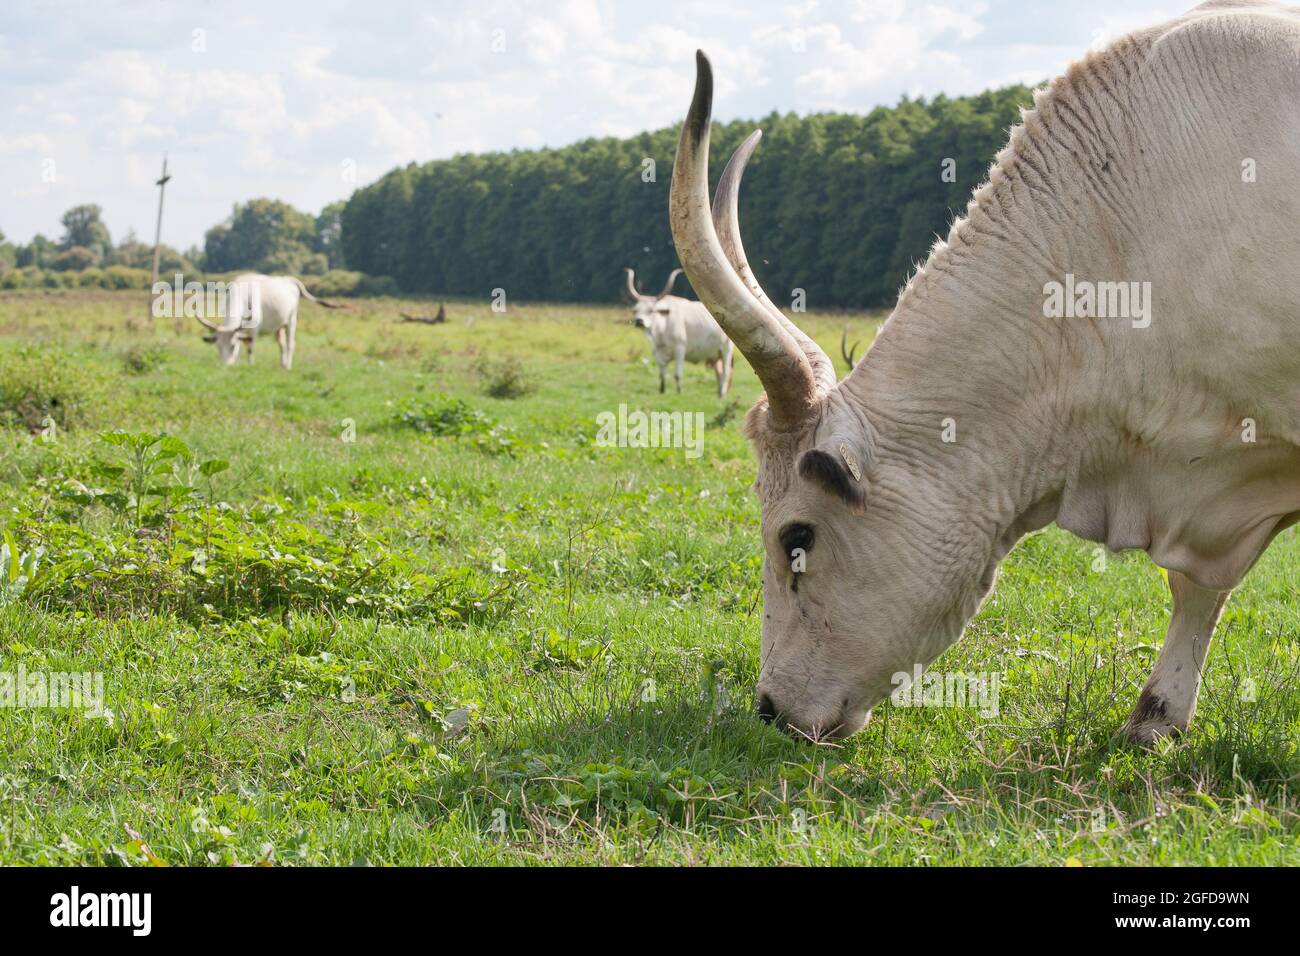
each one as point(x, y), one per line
point(466, 638)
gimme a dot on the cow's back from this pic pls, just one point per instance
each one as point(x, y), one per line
point(1222, 95)
point(705, 340)
point(1182, 151)
point(277, 298)
point(1167, 163)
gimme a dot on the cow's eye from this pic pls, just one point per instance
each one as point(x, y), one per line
point(796, 536)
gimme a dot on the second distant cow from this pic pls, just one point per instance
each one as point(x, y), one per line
point(680, 331)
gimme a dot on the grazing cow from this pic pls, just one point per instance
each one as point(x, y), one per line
point(258, 304)
point(682, 331)
point(985, 411)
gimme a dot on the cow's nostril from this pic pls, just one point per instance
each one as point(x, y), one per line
point(766, 710)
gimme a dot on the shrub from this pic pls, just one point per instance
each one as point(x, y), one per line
point(142, 359)
point(92, 278)
point(341, 282)
point(170, 546)
point(377, 285)
point(43, 385)
point(316, 264)
point(124, 277)
point(75, 259)
point(336, 282)
point(504, 377)
point(214, 563)
point(441, 415)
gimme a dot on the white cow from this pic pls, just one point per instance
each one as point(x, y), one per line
point(259, 305)
point(1164, 168)
point(681, 330)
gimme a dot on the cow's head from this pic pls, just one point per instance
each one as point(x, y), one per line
point(870, 566)
point(648, 311)
point(241, 315)
point(228, 338)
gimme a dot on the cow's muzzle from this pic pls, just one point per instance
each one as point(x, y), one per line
point(844, 722)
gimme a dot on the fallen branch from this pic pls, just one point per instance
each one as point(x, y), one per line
point(427, 320)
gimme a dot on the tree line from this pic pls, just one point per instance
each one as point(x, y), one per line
point(265, 235)
point(86, 244)
point(839, 205)
point(842, 206)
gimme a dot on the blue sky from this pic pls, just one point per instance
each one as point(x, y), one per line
point(305, 101)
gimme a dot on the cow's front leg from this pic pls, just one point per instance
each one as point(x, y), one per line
point(663, 368)
point(677, 369)
point(1168, 700)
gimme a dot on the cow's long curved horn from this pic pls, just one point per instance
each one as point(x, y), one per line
point(668, 286)
point(242, 297)
point(726, 220)
point(631, 285)
point(230, 325)
point(779, 362)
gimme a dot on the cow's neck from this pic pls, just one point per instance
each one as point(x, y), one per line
point(1069, 421)
point(965, 379)
point(1129, 436)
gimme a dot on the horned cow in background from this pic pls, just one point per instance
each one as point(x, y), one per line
point(682, 331)
point(259, 304)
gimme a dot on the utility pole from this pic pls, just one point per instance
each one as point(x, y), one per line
point(157, 235)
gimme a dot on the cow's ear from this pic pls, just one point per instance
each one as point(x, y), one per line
point(209, 338)
point(839, 465)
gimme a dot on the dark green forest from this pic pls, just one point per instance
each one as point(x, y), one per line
point(839, 205)
point(842, 206)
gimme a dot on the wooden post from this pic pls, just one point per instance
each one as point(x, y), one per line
point(157, 235)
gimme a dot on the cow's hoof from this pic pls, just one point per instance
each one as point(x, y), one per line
point(1150, 733)
point(1151, 721)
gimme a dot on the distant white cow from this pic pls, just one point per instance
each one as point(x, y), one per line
point(257, 304)
point(682, 331)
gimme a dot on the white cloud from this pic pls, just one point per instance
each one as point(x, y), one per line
point(284, 93)
point(37, 143)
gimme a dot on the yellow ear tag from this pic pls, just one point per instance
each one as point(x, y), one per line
point(851, 460)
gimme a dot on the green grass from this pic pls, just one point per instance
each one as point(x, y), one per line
point(514, 646)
